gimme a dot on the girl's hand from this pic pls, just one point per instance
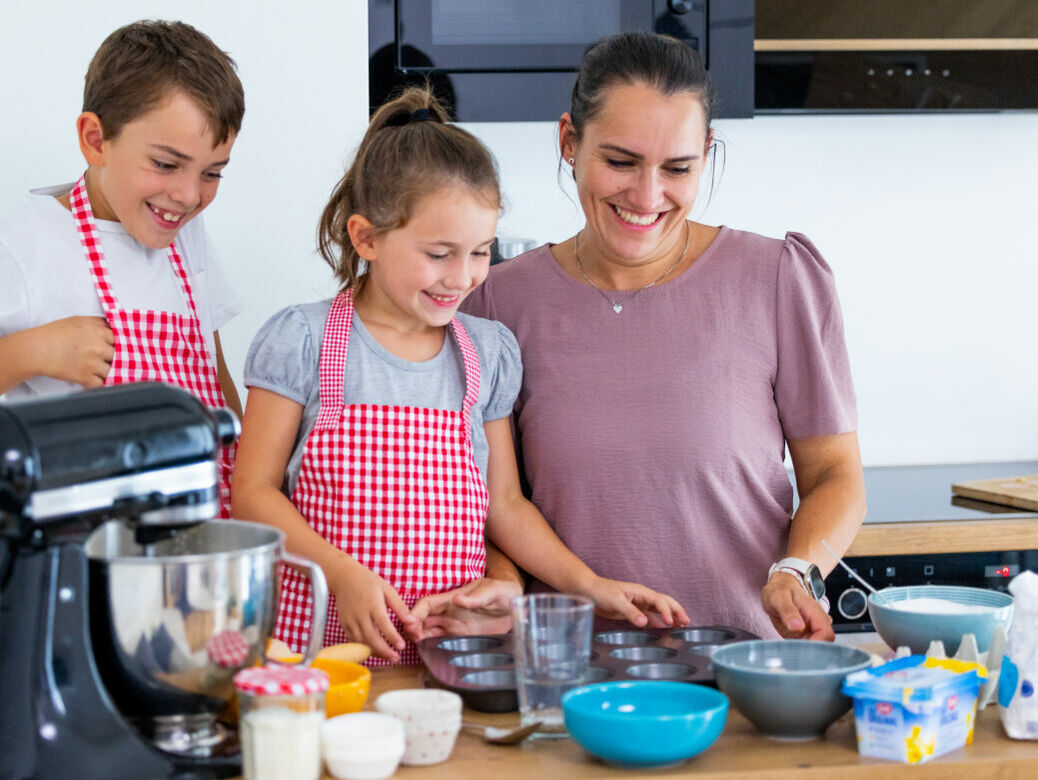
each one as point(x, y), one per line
point(642, 606)
point(793, 612)
point(364, 600)
point(479, 607)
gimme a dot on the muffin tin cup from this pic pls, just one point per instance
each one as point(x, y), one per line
point(481, 668)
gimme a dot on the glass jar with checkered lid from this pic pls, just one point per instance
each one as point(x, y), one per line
point(280, 712)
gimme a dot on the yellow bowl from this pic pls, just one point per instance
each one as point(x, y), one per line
point(349, 686)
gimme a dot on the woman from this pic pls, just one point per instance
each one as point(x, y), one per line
point(668, 363)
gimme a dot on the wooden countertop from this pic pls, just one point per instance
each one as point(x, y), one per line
point(946, 536)
point(741, 752)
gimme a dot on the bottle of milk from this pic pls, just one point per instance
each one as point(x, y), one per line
point(1017, 697)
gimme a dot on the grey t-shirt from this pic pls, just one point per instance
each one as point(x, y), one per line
point(285, 353)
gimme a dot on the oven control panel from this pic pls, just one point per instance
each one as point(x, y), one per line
point(848, 598)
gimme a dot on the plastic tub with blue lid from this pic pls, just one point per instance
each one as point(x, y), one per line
point(916, 708)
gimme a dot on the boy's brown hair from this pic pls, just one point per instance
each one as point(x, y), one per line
point(140, 64)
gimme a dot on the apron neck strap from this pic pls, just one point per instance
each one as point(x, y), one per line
point(332, 365)
point(90, 239)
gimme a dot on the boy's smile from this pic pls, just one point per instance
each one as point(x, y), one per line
point(158, 173)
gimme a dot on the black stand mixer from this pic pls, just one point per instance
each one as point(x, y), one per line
point(124, 610)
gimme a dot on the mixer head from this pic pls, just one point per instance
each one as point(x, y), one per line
point(142, 452)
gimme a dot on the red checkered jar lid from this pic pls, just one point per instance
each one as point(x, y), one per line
point(281, 680)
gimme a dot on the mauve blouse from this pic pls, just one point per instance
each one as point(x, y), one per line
point(653, 440)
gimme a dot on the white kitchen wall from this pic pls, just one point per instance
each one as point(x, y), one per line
point(926, 221)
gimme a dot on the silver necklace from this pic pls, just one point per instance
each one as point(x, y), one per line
point(619, 307)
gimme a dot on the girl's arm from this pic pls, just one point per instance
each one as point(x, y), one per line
point(832, 508)
point(230, 392)
point(269, 432)
point(521, 531)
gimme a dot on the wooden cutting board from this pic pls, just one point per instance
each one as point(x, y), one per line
point(1021, 492)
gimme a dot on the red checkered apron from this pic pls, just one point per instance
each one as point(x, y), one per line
point(154, 346)
point(395, 487)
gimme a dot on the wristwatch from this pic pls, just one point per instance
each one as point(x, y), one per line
point(806, 573)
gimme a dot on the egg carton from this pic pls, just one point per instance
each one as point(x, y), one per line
point(991, 659)
point(481, 668)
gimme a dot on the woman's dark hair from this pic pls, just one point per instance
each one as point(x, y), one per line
point(662, 62)
point(409, 151)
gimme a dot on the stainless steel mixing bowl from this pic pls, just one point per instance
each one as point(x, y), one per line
point(173, 621)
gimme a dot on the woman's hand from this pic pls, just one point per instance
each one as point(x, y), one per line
point(794, 613)
point(364, 600)
point(479, 607)
point(636, 603)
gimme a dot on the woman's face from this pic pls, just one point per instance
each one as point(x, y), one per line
point(637, 170)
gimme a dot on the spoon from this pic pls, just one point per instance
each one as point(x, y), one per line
point(497, 736)
point(850, 571)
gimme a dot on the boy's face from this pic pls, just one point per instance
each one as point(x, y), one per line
point(159, 172)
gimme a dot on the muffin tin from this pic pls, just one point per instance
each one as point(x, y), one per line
point(481, 668)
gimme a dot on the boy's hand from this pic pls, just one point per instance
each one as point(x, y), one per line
point(479, 607)
point(642, 606)
point(76, 349)
point(364, 600)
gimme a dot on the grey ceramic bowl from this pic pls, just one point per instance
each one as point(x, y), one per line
point(788, 688)
point(916, 629)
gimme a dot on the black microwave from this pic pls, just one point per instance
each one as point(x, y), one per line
point(514, 60)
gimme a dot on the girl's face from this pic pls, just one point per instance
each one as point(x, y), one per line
point(419, 274)
point(637, 170)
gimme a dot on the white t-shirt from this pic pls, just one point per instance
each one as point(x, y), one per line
point(44, 276)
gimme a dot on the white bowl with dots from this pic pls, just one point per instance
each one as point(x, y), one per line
point(432, 720)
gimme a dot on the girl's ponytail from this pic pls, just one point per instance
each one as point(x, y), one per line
point(409, 151)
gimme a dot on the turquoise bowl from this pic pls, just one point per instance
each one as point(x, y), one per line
point(644, 722)
point(916, 629)
point(788, 688)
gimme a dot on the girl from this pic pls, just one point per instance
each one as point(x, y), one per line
point(385, 416)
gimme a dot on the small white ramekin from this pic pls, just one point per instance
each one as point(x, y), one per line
point(362, 745)
point(431, 718)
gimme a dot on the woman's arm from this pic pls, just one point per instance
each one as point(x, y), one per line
point(832, 507)
point(269, 431)
point(521, 531)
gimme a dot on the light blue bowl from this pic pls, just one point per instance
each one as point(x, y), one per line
point(644, 722)
point(916, 629)
point(788, 688)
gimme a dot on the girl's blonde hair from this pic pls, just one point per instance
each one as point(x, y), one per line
point(408, 152)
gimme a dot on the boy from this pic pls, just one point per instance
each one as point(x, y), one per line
point(109, 280)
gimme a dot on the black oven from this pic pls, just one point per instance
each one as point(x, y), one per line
point(514, 60)
point(923, 494)
point(896, 55)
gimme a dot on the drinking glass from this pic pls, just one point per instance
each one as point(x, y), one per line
point(552, 651)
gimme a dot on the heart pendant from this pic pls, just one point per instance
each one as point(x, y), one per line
point(618, 307)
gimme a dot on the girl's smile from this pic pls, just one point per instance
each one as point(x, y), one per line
point(419, 274)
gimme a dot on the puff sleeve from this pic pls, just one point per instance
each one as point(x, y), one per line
point(283, 357)
point(814, 391)
point(506, 374)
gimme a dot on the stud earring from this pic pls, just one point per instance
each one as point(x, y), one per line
point(571, 161)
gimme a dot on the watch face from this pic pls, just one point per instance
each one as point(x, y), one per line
point(815, 581)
